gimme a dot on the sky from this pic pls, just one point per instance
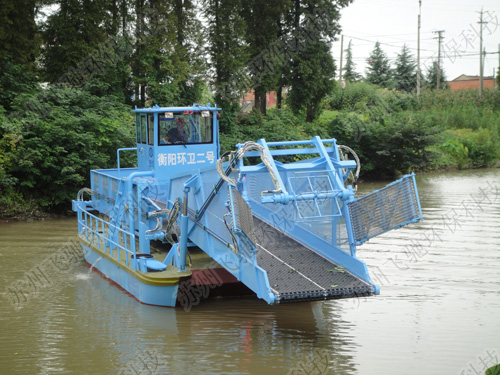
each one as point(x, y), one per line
point(394, 23)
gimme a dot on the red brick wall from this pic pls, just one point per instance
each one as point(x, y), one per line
point(471, 84)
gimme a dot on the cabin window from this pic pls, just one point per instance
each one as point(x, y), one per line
point(182, 128)
point(143, 130)
point(138, 127)
point(151, 129)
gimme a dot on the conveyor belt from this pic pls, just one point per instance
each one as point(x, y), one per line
point(297, 273)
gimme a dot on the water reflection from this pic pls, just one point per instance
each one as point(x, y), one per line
point(232, 335)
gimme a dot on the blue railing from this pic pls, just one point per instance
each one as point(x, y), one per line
point(118, 154)
point(96, 231)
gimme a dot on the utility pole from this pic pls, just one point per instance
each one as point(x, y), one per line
point(341, 56)
point(439, 38)
point(481, 64)
point(418, 49)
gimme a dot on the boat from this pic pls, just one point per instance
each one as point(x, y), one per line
point(277, 220)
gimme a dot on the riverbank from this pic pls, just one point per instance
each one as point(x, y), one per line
point(29, 215)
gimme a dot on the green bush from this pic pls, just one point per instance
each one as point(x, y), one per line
point(53, 139)
point(278, 125)
point(351, 96)
point(463, 108)
point(482, 146)
point(365, 97)
point(388, 145)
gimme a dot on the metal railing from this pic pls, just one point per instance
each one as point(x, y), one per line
point(96, 231)
point(118, 154)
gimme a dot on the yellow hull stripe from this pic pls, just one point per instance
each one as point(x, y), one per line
point(142, 277)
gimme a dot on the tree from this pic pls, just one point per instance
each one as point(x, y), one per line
point(312, 69)
point(405, 75)
point(71, 34)
point(167, 58)
point(18, 31)
point(312, 80)
point(379, 70)
point(263, 28)
point(431, 77)
point(350, 74)
point(228, 53)
point(19, 48)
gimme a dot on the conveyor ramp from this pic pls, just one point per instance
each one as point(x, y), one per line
point(297, 273)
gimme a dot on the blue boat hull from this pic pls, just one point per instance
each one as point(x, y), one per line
point(165, 295)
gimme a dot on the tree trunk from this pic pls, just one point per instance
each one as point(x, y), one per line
point(309, 113)
point(143, 95)
point(180, 21)
point(279, 97)
point(260, 101)
point(256, 101)
point(263, 104)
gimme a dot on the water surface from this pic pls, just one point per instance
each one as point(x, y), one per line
point(438, 311)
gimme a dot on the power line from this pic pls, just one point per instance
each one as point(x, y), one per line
point(386, 44)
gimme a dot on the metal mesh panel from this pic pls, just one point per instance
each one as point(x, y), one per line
point(217, 207)
point(105, 185)
point(286, 217)
point(210, 179)
point(114, 186)
point(244, 216)
point(388, 208)
point(342, 237)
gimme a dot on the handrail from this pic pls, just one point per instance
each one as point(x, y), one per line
point(118, 154)
point(85, 226)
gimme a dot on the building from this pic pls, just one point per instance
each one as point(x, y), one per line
point(248, 100)
point(464, 82)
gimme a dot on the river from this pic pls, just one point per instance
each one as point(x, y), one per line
point(438, 311)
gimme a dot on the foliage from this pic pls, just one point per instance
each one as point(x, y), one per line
point(351, 96)
point(19, 39)
point(472, 125)
point(263, 28)
point(70, 34)
point(312, 80)
point(365, 97)
point(19, 48)
point(493, 370)
point(388, 144)
point(432, 74)
point(47, 154)
point(464, 108)
point(227, 49)
point(350, 74)
point(277, 125)
point(482, 146)
point(312, 69)
point(14, 80)
point(405, 75)
point(379, 70)
point(459, 153)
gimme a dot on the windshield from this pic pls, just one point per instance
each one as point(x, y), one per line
point(184, 127)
